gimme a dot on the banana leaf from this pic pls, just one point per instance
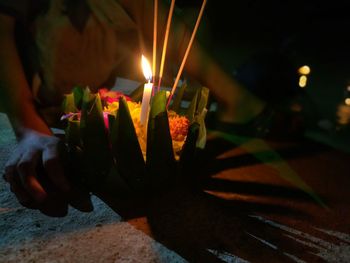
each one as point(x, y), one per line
point(178, 98)
point(69, 104)
point(198, 104)
point(96, 151)
point(114, 185)
point(203, 99)
point(188, 154)
point(191, 111)
point(111, 120)
point(72, 101)
point(160, 161)
point(202, 135)
point(196, 113)
point(78, 93)
point(73, 133)
point(126, 148)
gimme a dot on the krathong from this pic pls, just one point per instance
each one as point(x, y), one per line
point(126, 148)
point(108, 149)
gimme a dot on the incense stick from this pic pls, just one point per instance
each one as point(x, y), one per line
point(155, 29)
point(165, 44)
point(187, 51)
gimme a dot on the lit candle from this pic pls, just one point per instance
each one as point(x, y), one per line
point(147, 90)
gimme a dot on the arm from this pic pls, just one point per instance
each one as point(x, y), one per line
point(36, 145)
point(17, 98)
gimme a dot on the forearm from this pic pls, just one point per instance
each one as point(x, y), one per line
point(16, 98)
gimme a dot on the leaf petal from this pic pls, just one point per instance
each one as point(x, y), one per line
point(161, 164)
point(189, 149)
point(191, 111)
point(69, 104)
point(78, 93)
point(73, 133)
point(178, 98)
point(97, 154)
point(126, 148)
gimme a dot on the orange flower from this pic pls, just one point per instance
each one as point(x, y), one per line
point(178, 126)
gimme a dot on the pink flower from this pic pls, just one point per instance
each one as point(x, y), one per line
point(105, 119)
point(111, 96)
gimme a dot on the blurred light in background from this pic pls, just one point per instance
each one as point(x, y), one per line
point(302, 81)
point(304, 70)
point(347, 101)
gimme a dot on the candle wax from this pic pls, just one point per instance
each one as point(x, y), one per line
point(147, 92)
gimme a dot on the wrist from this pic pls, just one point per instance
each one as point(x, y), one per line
point(23, 132)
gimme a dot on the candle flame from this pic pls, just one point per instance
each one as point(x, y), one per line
point(146, 68)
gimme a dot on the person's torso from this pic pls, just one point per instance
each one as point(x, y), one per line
point(83, 44)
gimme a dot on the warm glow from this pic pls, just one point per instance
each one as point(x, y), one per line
point(146, 68)
point(348, 88)
point(302, 81)
point(347, 101)
point(304, 70)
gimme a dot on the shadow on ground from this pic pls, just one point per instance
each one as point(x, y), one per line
point(211, 219)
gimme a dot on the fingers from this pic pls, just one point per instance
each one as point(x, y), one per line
point(36, 176)
point(11, 164)
point(11, 176)
point(21, 194)
point(26, 169)
point(80, 199)
point(54, 206)
point(54, 169)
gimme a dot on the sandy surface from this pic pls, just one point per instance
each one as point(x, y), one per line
point(101, 236)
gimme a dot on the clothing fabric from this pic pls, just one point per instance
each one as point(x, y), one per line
point(73, 43)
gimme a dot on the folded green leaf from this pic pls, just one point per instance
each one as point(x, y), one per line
point(97, 153)
point(191, 111)
point(73, 133)
point(78, 93)
point(199, 117)
point(202, 136)
point(114, 185)
point(203, 100)
point(178, 97)
point(189, 148)
point(126, 148)
point(160, 161)
point(69, 104)
point(111, 120)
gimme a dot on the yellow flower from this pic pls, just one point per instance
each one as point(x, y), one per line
point(178, 126)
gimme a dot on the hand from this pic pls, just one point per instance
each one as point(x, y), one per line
point(36, 176)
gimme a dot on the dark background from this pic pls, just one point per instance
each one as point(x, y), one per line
point(313, 32)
